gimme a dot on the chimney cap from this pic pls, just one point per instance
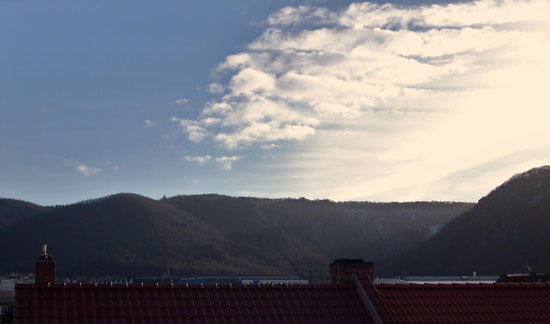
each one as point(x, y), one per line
point(44, 256)
point(341, 270)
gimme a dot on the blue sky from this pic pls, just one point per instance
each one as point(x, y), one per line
point(322, 99)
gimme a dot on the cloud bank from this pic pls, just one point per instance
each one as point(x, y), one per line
point(386, 94)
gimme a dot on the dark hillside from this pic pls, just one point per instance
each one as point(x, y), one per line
point(122, 234)
point(505, 232)
point(309, 234)
point(201, 235)
point(12, 211)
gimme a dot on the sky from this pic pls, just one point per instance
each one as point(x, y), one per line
point(341, 100)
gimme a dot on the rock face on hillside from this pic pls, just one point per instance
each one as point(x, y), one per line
point(128, 234)
point(505, 232)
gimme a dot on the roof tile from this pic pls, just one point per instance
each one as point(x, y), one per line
point(131, 304)
point(394, 303)
point(475, 303)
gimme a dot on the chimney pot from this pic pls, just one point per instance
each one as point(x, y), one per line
point(341, 270)
point(44, 271)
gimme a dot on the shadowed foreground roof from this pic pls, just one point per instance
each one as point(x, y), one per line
point(180, 304)
point(468, 303)
point(358, 302)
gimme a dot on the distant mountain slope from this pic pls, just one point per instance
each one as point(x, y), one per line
point(307, 234)
point(129, 234)
point(506, 231)
point(122, 234)
point(13, 210)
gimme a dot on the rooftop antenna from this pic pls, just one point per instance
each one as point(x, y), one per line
point(44, 250)
point(529, 268)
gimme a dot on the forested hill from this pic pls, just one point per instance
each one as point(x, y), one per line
point(506, 232)
point(12, 211)
point(128, 234)
point(321, 230)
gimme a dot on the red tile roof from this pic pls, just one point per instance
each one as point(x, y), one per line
point(90, 304)
point(472, 303)
point(360, 302)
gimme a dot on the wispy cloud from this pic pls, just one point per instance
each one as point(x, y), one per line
point(199, 160)
point(149, 123)
point(181, 101)
point(82, 168)
point(223, 162)
point(303, 15)
point(87, 170)
point(268, 146)
point(466, 183)
point(226, 162)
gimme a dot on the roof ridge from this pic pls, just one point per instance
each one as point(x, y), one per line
point(463, 285)
point(375, 298)
point(184, 285)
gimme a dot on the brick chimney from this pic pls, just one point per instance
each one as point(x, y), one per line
point(342, 269)
point(44, 271)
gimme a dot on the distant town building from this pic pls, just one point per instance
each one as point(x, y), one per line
point(7, 299)
point(215, 280)
point(7, 294)
point(450, 279)
point(244, 280)
point(530, 277)
point(9, 284)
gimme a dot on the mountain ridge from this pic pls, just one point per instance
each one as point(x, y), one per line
point(218, 235)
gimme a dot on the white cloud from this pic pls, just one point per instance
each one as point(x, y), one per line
point(181, 101)
point(213, 107)
point(195, 132)
point(149, 123)
point(87, 170)
point(209, 121)
point(391, 99)
point(199, 160)
point(250, 81)
point(226, 162)
point(366, 58)
point(215, 88)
